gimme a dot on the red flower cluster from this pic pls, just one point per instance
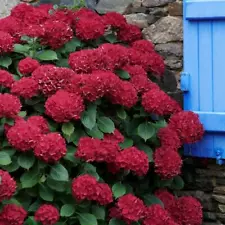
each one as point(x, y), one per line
point(7, 187)
point(57, 33)
point(156, 215)
point(50, 148)
point(129, 33)
point(20, 10)
point(26, 87)
point(143, 46)
point(40, 122)
point(187, 126)
point(13, 214)
point(51, 78)
point(6, 79)
point(133, 159)
point(97, 150)
point(9, 106)
point(64, 106)
point(89, 29)
point(167, 162)
point(115, 20)
point(158, 102)
point(116, 136)
point(86, 187)
point(27, 66)
point(47, 214)
point(169, 137)
point(23, 135)
point(6, 42)
point(188, 211)
point(130, 208)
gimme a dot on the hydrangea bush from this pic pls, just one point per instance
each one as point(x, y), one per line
point(87, 137)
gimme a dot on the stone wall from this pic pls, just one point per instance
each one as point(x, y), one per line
point(6, 6)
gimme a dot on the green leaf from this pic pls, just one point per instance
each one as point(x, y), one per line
point(47, 55)
point(160, 124)
point(68, 128)
point(30, 179)
point(147, 150)
point(87, 219)
point(26, 161)
point(116, 222)
point(13, 166)
point(98, 211)
point(10, 121)
point(88, 118)
point(118, 190)
point(150, 199)
point(95, 133)
point(70, 155)
point(22, 113)
point(89, 169)
point(112, 38)
point(62, 63)
point(56, 185)
point(123, 74)
point(5, 158)
point(30, 221)
point(177, 183)
point(127, 143)
point(121, 113)
point(72, 45)
point(67, 210)
point(105, 124)
point(146, 131)
point(46, 193)
point(59, 173)
point(23, 49)
point(33, 207)
point(5, 61)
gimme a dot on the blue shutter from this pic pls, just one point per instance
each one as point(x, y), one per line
point(203, 79)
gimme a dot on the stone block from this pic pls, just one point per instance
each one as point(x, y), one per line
point(168, 49)
point(167, 29)
point(219, 198)
point(175, 9)
point(138, 19)
point(154, 3)
point(6, 6)
point(219, 190)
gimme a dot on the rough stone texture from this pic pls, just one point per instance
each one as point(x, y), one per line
point(175, 9)
point(138, 19)
point(154, 3)
point(6, 6)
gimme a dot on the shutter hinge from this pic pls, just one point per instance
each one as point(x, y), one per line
point(185, 81)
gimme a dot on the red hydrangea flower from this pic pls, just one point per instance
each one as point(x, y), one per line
point(32, 30)
point(26, 87)
point(158, 102)
point(57, 33)
point(187, 126)
point(63, 15)
point(9, 105)
point(46, 7)
point(20, 10)
point(28, 65)
point(47, 214)
point(156, 64)
point(6, 79)
point(7, 187)
point(124, 94)
point(131, 208)
point(134, 160)
point(86, 187)
point(23, 136)
point(51, 78)
point(50, 148)
point(156, 215)
point(129, 33)
point(116, 52)
point(114, 212)
point(188, 211)
point(3, 222)
point(40, 122)
point(167, 198)
point(105, 195)
point(167, 162)
point(6, 42)
point(89, 60)
point(85, 13)
point(89, 29)
point(13, 214)
point(169, 137)
point(114, 19)
point(97, 150)
point(143, 46)
point(116, 136)
point(76, 83)
point(64, 106)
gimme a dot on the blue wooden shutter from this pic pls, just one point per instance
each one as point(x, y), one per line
point(203, 79)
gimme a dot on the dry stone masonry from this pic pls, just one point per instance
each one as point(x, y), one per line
point(6, 6)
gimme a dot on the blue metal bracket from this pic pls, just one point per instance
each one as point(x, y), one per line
point(219, 153)
point(185, 82)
